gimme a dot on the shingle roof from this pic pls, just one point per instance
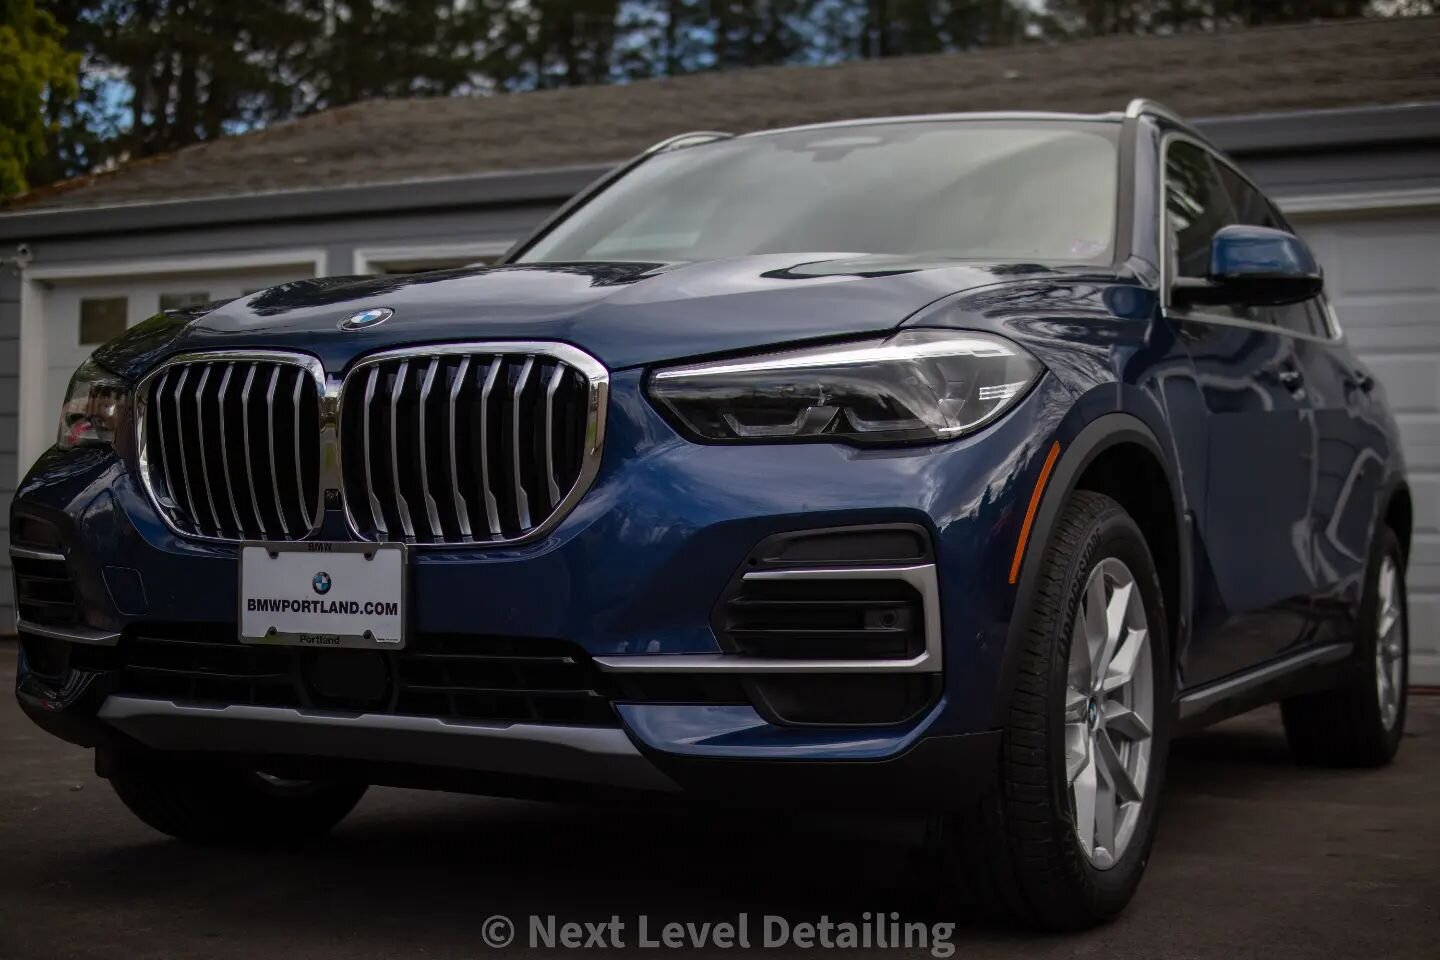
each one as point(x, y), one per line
point(1243, 72)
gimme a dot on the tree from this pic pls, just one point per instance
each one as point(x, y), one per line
point(35, 71)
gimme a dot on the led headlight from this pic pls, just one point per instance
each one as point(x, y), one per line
point(95, 406)
point(918, 385)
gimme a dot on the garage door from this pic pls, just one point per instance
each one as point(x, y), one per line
point(82, 314)
point(1384, 277)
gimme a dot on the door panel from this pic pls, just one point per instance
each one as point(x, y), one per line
point(1353, 451)
point(1254, 598)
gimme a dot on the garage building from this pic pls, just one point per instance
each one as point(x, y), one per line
point(1340, 122)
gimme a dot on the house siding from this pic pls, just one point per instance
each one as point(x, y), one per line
point(9, 403)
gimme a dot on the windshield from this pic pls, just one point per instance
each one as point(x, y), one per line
point(1011, 190)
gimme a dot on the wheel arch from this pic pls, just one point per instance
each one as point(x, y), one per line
point(1116, 454)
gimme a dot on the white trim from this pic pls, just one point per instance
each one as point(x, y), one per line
point(313, 257)
point(1371, 201)
point(366, 259)
point(34, 424)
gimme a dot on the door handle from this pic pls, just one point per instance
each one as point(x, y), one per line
point(1360, 380)
point(1291, 379)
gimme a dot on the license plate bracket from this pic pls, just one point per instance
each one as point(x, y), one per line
point(322, 594)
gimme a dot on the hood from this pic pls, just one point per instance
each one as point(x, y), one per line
point(625, 314)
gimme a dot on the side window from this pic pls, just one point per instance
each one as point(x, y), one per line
point(1196, 205)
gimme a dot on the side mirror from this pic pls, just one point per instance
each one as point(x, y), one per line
point(1253, 266)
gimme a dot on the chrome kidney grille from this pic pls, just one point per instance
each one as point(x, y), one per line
point(230, 444)
point(469, 443)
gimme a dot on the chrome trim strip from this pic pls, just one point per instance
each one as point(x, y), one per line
point(299, 463)
point(25, 553)
point(401, 503)
point(492, 507)
point(597, 377)
point(274, 474)
point(164, 459)
point(143, 390)
point(86, 635)
point(200, 432)
point(522, 499)
point(250, 460)
point(377, 515)
point(922, 577)
point(556, 379)
point(600, 755)
point(1199, 700)
point(431, 513)
point(225, 449)
point(462, 509)
point(184, 456)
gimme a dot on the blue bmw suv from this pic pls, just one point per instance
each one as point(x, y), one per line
point(943, 464)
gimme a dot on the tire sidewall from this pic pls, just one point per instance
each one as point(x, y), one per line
point(1368, 636)
point(1113, 534)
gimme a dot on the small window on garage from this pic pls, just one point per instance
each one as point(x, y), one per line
point(102, 319)
point(179, 301)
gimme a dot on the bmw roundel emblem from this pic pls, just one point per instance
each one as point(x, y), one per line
point(367, 318)
point(321, 583)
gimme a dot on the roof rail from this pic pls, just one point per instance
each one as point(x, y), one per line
point(1140, 106)
point(683, 140)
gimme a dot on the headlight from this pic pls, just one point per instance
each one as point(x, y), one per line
point(918, 385)
point(95, 406)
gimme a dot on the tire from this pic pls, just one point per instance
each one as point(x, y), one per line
point(1018, 851)
point(207, 801)
point(1351, 725)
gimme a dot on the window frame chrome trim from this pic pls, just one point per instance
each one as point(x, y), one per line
point(1162, 236)
point(308, 362)
point(597, 377)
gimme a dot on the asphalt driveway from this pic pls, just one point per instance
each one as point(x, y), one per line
point(1256, 858)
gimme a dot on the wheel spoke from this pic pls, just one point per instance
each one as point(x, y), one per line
point(1096, 629)
point(1124, 722)
point(1105, 811)
point(1121, 669)
point(1077, 750)
point(1077, 705)
point(1084, 790)
point(1113, 770)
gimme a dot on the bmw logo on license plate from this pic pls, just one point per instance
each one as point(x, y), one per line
point(321, 583)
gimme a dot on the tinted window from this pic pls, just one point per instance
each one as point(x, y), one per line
point(1023, 191)
point(1196, 205)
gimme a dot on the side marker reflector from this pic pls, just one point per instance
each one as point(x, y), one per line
point(1040, 482)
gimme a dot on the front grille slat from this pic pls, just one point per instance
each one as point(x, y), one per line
point(492, 506)
point(201, 447)
point(267, 468)
point(183, 453)
point(432, 513)
point(462, 510)
point(225, 447)
point(403, 505)
point(510, 429)
point(274, 461)
point(517, 438)
point(250, 450)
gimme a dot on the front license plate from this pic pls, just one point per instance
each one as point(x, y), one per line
point(323, 594)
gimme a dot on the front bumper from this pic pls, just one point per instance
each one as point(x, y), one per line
point(630, 578)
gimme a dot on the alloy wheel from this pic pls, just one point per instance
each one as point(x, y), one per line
point(1109, 713)
point(1389, 644)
